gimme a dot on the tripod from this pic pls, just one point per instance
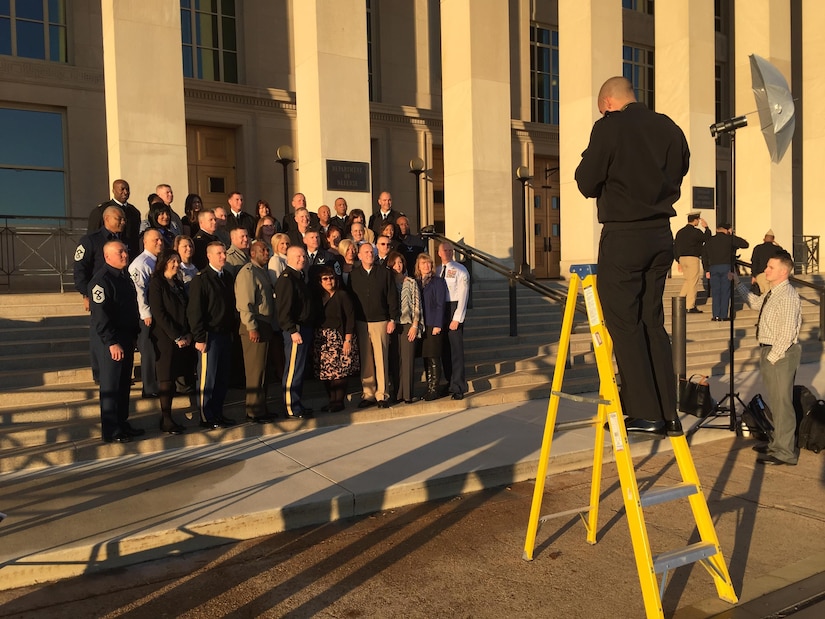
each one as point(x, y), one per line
point(727, 405)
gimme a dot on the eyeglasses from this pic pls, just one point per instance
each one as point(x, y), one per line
point(327, 278)
point(382, 244)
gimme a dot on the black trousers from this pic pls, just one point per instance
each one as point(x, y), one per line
point(115, 386)
point(632, 270)
point(452, 356)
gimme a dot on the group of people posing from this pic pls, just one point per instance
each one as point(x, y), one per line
point(217, 297)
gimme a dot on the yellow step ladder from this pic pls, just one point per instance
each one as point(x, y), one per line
point(649, 566)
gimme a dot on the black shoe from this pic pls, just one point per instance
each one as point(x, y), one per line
point(148, 396)
point(716, 319)
point(119, 437)
point(458, 396)
point(366, 403)
point(262, 419)
point(130, 431)
point(773, 461)
point(171, 428)
point(760, 449)
point(674, 428)
point(643, 426)
point(411, 400)
point(695, 310)
point(430, 396)
point(226, 422)
point(304, 414)
point(384, 404)
point(210, 425)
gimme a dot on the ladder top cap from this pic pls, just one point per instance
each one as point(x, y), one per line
point(583, 270)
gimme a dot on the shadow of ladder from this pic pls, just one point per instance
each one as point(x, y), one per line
point(707, 551)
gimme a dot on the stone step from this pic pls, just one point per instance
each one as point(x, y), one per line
point(44, 348)
point(36, 332)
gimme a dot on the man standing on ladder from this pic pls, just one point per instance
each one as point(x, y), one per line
point(634, 166)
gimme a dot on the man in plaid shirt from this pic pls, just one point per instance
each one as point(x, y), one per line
point(777, 329)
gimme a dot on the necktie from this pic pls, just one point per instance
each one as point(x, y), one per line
point(443, 272)
point(762, 309)
point(312, 258)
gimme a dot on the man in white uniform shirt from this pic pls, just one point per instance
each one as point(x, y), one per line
point(140, 271)
point(777, 329)
point(458, 287)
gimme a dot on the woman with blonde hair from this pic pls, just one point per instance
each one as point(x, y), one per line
point(434, 299)
point(349, 252)
point(265, 229)
point(277, 263)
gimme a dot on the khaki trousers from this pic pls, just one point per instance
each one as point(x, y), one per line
point(374, 346)
point(692, 271)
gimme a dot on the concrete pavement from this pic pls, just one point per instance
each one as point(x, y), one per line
point(76, 519)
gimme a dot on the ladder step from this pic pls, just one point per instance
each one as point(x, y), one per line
point(568, 512)
point(677, 558)
point(579, 398)
point(671, 493)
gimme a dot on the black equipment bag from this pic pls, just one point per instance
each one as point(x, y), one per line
point(694, 396)
point(812, 428)
point(757, 416)
point(803, 401)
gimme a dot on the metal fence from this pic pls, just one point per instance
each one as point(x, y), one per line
point(38, 247)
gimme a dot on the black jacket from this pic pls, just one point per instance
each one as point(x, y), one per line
point(634, 165)
point(168, 308)
point(689, 241)
point(113, 305)
point(199, 244)
point(721, 248)
point(375, 294)
point(88, 258)
point(760, 256)
point(293, 303)
point(212, 304)
point(243, 220)
point(131, 233)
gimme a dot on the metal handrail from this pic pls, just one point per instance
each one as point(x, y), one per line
point(513, 277)
point(39, 245)
point(820, 288)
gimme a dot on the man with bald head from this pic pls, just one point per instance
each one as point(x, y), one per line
point(120, 198)
point(299, 201)
point(112, 335)
point(633, 166)
point(386, 214)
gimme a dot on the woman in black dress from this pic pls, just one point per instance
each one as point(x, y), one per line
point(170, 333)
point(336, 349)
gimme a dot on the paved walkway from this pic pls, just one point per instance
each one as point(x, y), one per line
point(70, 520)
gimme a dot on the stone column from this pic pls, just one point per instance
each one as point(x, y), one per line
point(478, 167)
point(763, 189)
point(590, 52)
point(813, 139)
point(332, 96)
point(685, 90)
point(145, 117)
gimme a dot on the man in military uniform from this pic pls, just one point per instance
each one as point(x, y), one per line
point(294, 310)
point(213, 322)
point(140, 271)
point(763, 252)
point(687, 249)
point(88, 259)
point(237, 217)
point(410, 245)
point(458, 288)
point(237, 254)
point(384, 215)
point(208, 224)
point(256, 306)
point(131, 232)
point(114, 329)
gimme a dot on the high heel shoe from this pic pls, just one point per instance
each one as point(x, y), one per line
point(170, 427)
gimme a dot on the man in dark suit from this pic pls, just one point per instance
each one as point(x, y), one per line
point(237, 217)
point(206, 236)
point(131, 231)
point(384, 215)
point(213, 320)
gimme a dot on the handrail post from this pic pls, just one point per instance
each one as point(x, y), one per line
point(822, 315)
point(513, 308)
point(679, 336)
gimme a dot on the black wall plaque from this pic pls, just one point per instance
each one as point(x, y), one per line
point(703, 198)
point(348, 176)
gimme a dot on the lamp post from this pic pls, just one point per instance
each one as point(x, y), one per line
point(417, 168)
point(285, 156)
point(523, 175)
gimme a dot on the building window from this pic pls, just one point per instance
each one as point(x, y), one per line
point(32, 163)
point(642, 6)
point(33, 29)
point(544, 75)
point(209, 35)
point(637, 66)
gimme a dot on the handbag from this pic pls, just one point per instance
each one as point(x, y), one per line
point(694, 396)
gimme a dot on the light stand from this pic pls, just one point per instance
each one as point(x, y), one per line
point(285, 157)
point(417, 168)
point(727, 405)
